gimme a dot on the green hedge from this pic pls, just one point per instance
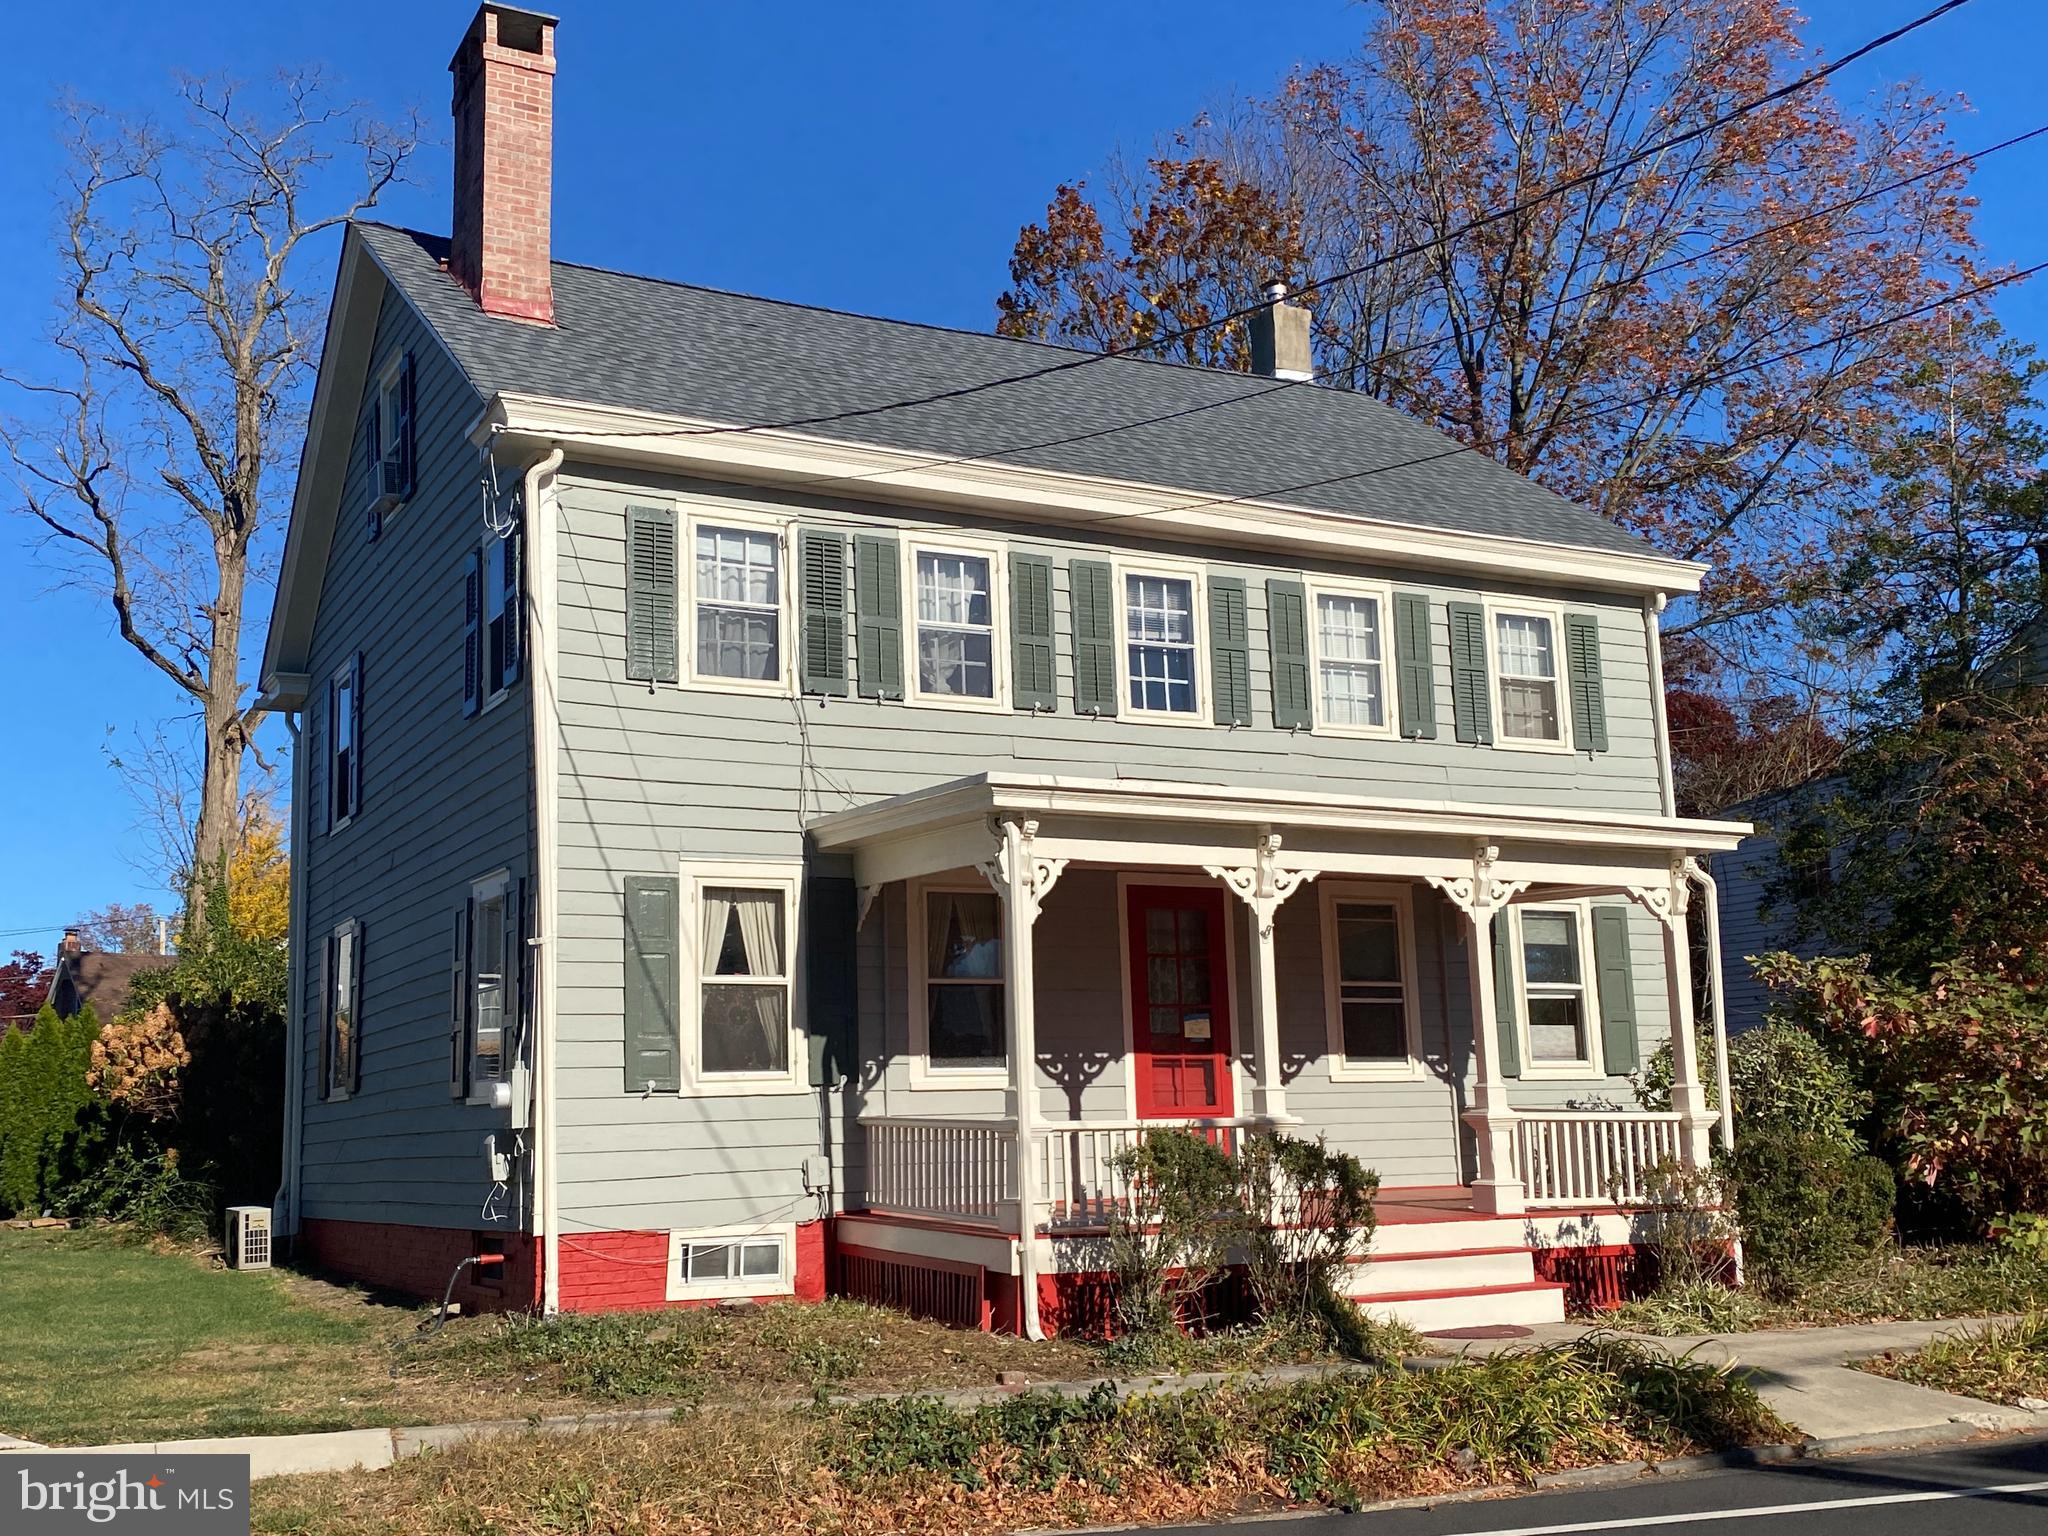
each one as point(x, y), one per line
point(49, 1118)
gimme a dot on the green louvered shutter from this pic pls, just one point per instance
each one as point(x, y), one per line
point(878, 615)
point(1034, 679)
point(653, 1037)
point(1471, 694)
point(1414, 666)
point(831, 976)
point(1094, 620)
point(1614, 977)
point(1507, 1016)
point(821, 581)
point(1230, 653)
point(1582, 667)
point(1287, 633)
point(651, 594)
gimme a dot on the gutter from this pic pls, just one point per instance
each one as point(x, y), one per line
point(1712, 893)
point(285, 1203)
point(1653, 640)
point(546, 715)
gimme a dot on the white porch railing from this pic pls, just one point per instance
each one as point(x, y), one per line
point(961, 1170)
point(1593, 1158)
point(1079, 1181)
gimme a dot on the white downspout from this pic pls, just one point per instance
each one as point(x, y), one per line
point(1711, 893)
point(546, 713)
point(1653, 642)
point(286, 1201)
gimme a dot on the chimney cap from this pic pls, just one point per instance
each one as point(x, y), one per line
point(540, 23)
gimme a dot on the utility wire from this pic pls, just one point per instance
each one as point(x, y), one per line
point(1439, 337)
point(1481, 221)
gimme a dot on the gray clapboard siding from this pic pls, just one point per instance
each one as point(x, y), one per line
point(649, 778)
point(444, 799)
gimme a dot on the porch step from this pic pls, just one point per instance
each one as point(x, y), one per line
point(1401, 1239)
point(1539, 1301)
point(1465, 1269)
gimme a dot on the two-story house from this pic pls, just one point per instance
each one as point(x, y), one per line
point(783, 797)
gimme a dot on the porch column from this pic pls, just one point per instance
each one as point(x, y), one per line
point(1668, 903)
point(1479, 897)
point(1263, 885)
point(1022, 879)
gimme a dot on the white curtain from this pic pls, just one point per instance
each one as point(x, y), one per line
point(760, 926)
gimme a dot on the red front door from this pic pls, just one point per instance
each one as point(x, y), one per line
point(1180, 1001)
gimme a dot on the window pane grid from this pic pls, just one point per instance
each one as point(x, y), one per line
point(739, 596)
point(1349, 665)
point(1554, 987)
point(1159, 628)
point(1526, 655)
point(743, 981)
point(1372, 994)
point(955, 626)
point(964, 979)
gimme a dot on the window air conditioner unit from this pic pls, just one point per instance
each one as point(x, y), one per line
point(248, 1237)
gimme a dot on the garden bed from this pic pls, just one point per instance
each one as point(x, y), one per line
point(1999, 1363)
point(915, 1465)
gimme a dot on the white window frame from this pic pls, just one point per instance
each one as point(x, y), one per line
point(786, 878)
point(996, 554)
point(1333, 894)
point(1553, 614)
point(1171, 570)
point(681, 1288)
point(922, 1073)
point(694, 517)
point(1318, 588)
point(338, 1085)
point(498, 883)
point(386, 404)
point(344, 676)
point(1593, 1063)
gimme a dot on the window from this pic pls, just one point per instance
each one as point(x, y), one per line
point(743, 981)
point(962, 973)
point(1159, 643)
point(491, 982)
point(344, 744)
point(738, 594)
point(1553, 986)
point(1525, 662)
point(749, 1262)
point(391, 440)
point(957, 657)
point(343, 1009)
point(1369, 963)
point(1350, 652)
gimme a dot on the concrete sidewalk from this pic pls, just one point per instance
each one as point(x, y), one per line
point(1801, 1372)
point(1804, 1374)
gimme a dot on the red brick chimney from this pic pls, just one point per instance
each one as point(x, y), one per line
point(504, 161)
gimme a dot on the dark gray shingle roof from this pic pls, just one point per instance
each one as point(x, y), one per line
point(653, 345)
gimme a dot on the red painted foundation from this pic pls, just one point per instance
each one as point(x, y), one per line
point(600, 1271)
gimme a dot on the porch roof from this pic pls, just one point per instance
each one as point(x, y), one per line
point(946, 825)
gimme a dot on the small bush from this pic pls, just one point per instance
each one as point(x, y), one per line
point(1809, 1207)
point(1781, 1078)
point(148, 1191)
point(1693, 1306)
point(1173, 1235)
point(2001, 1362)
point(1306, 1209)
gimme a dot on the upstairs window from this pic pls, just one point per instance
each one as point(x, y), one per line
point(739, 604)
point(1159, 643)
point(1351, 690)
point(344, 744)
point(1525, 656)
point(391, 448)
point(956, 625)
point(1554, 987)
point(502, 627)
point(963, 980)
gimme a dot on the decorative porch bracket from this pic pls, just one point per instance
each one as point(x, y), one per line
point(1023, 878)
point(1479, 896)
point(1669, 902)
point(1263, 885)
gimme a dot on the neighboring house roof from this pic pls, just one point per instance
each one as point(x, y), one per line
point(648, 344)
point(98, 979)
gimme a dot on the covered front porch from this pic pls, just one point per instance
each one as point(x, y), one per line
point(1066, 966)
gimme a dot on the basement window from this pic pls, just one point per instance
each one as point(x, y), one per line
point(727, 1264)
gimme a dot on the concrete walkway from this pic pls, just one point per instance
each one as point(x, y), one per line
point(1801, 1372)
point(1804, 1374)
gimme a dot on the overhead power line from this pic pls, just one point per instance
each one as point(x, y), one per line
point(1514, 210)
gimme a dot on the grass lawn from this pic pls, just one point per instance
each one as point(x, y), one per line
point(1035, 1461)
point(109, 1339)
point(2000, 1363)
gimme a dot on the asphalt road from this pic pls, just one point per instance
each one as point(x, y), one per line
point(1985, 1488)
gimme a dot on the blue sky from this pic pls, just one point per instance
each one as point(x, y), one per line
point(873, 157)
